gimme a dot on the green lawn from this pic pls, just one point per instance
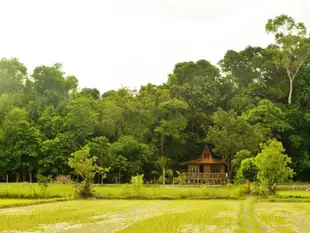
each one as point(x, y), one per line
point(158, 216)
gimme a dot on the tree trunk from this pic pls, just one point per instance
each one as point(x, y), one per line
point(17, 177)
point(290, 92)
point(162, 145)
point(30, 177)
point(229, 171)
point(7, 178)
point(102, 179)
point(249, 185)
point(164, 176)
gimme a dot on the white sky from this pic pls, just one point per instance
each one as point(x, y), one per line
point(107, 44)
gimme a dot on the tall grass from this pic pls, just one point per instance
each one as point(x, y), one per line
point(168, 192)
point(125, 191)
point(34, 191)
point(5, 203)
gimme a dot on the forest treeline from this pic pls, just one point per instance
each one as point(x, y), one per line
point(249, 97)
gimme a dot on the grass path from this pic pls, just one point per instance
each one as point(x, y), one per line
point(247, 221)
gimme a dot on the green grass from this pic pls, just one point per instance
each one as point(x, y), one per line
point(5, 203)
point(26, 190)
point(158, 216)
point(168, 192)
point(34, 191)
point(125, 215)
point(294, 193)
point(283, 217)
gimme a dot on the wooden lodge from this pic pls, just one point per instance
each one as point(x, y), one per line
point(205, 170)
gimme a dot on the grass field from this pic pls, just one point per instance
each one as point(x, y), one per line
point(26, 190)
point(125, 191)
point(158, 216)
point(294, 193)
point(5, 203)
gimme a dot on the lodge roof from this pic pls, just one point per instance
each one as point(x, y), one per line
point(206, 158)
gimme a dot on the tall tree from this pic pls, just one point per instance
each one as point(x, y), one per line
point(172, 123)
point(294, 44)
point(12, 76)
point(273, 165)
point(230, 134)
point(21, 144)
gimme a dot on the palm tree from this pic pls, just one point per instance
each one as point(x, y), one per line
point(162, 165)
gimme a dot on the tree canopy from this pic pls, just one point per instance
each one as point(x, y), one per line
point(248, 98)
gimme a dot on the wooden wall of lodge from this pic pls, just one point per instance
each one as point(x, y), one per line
point(194, 176)
point(194, 168)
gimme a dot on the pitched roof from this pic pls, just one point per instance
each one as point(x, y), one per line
point(206, 158)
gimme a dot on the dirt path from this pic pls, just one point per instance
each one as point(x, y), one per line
point(247, 217)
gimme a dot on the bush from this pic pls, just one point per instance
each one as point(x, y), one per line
point(181, 178)
point(43, 182)
point(84, 190)
point(63, 179)
point(137, 182)
point(243, 190)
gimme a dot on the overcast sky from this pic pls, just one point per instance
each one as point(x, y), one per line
point(109, 44)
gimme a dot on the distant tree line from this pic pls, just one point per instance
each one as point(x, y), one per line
point(250, 97)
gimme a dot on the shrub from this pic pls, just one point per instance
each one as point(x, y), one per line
point(43, 182)
point(181, 178)
point(63, 179)
point(249, 171)
point(137, 182)
point(83, 190)
point(273, 165)
point(243, 190)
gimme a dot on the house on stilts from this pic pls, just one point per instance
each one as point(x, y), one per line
point(205, 170)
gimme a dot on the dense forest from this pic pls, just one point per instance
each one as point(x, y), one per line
point(249, 97)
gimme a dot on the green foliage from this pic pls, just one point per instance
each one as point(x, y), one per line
point(240, 155)
point(44, 182)
point(273, 165)
point(12, 75)
point(294, 45)
point(181, 177)
point(232, 133)
point(269, 116)
point(44, 117)
point(249, 170)
point(84, 166)
point(137, 182)
point(162, 166)
point(82, 117)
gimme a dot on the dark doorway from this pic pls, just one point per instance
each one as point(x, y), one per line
point(201, 168)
